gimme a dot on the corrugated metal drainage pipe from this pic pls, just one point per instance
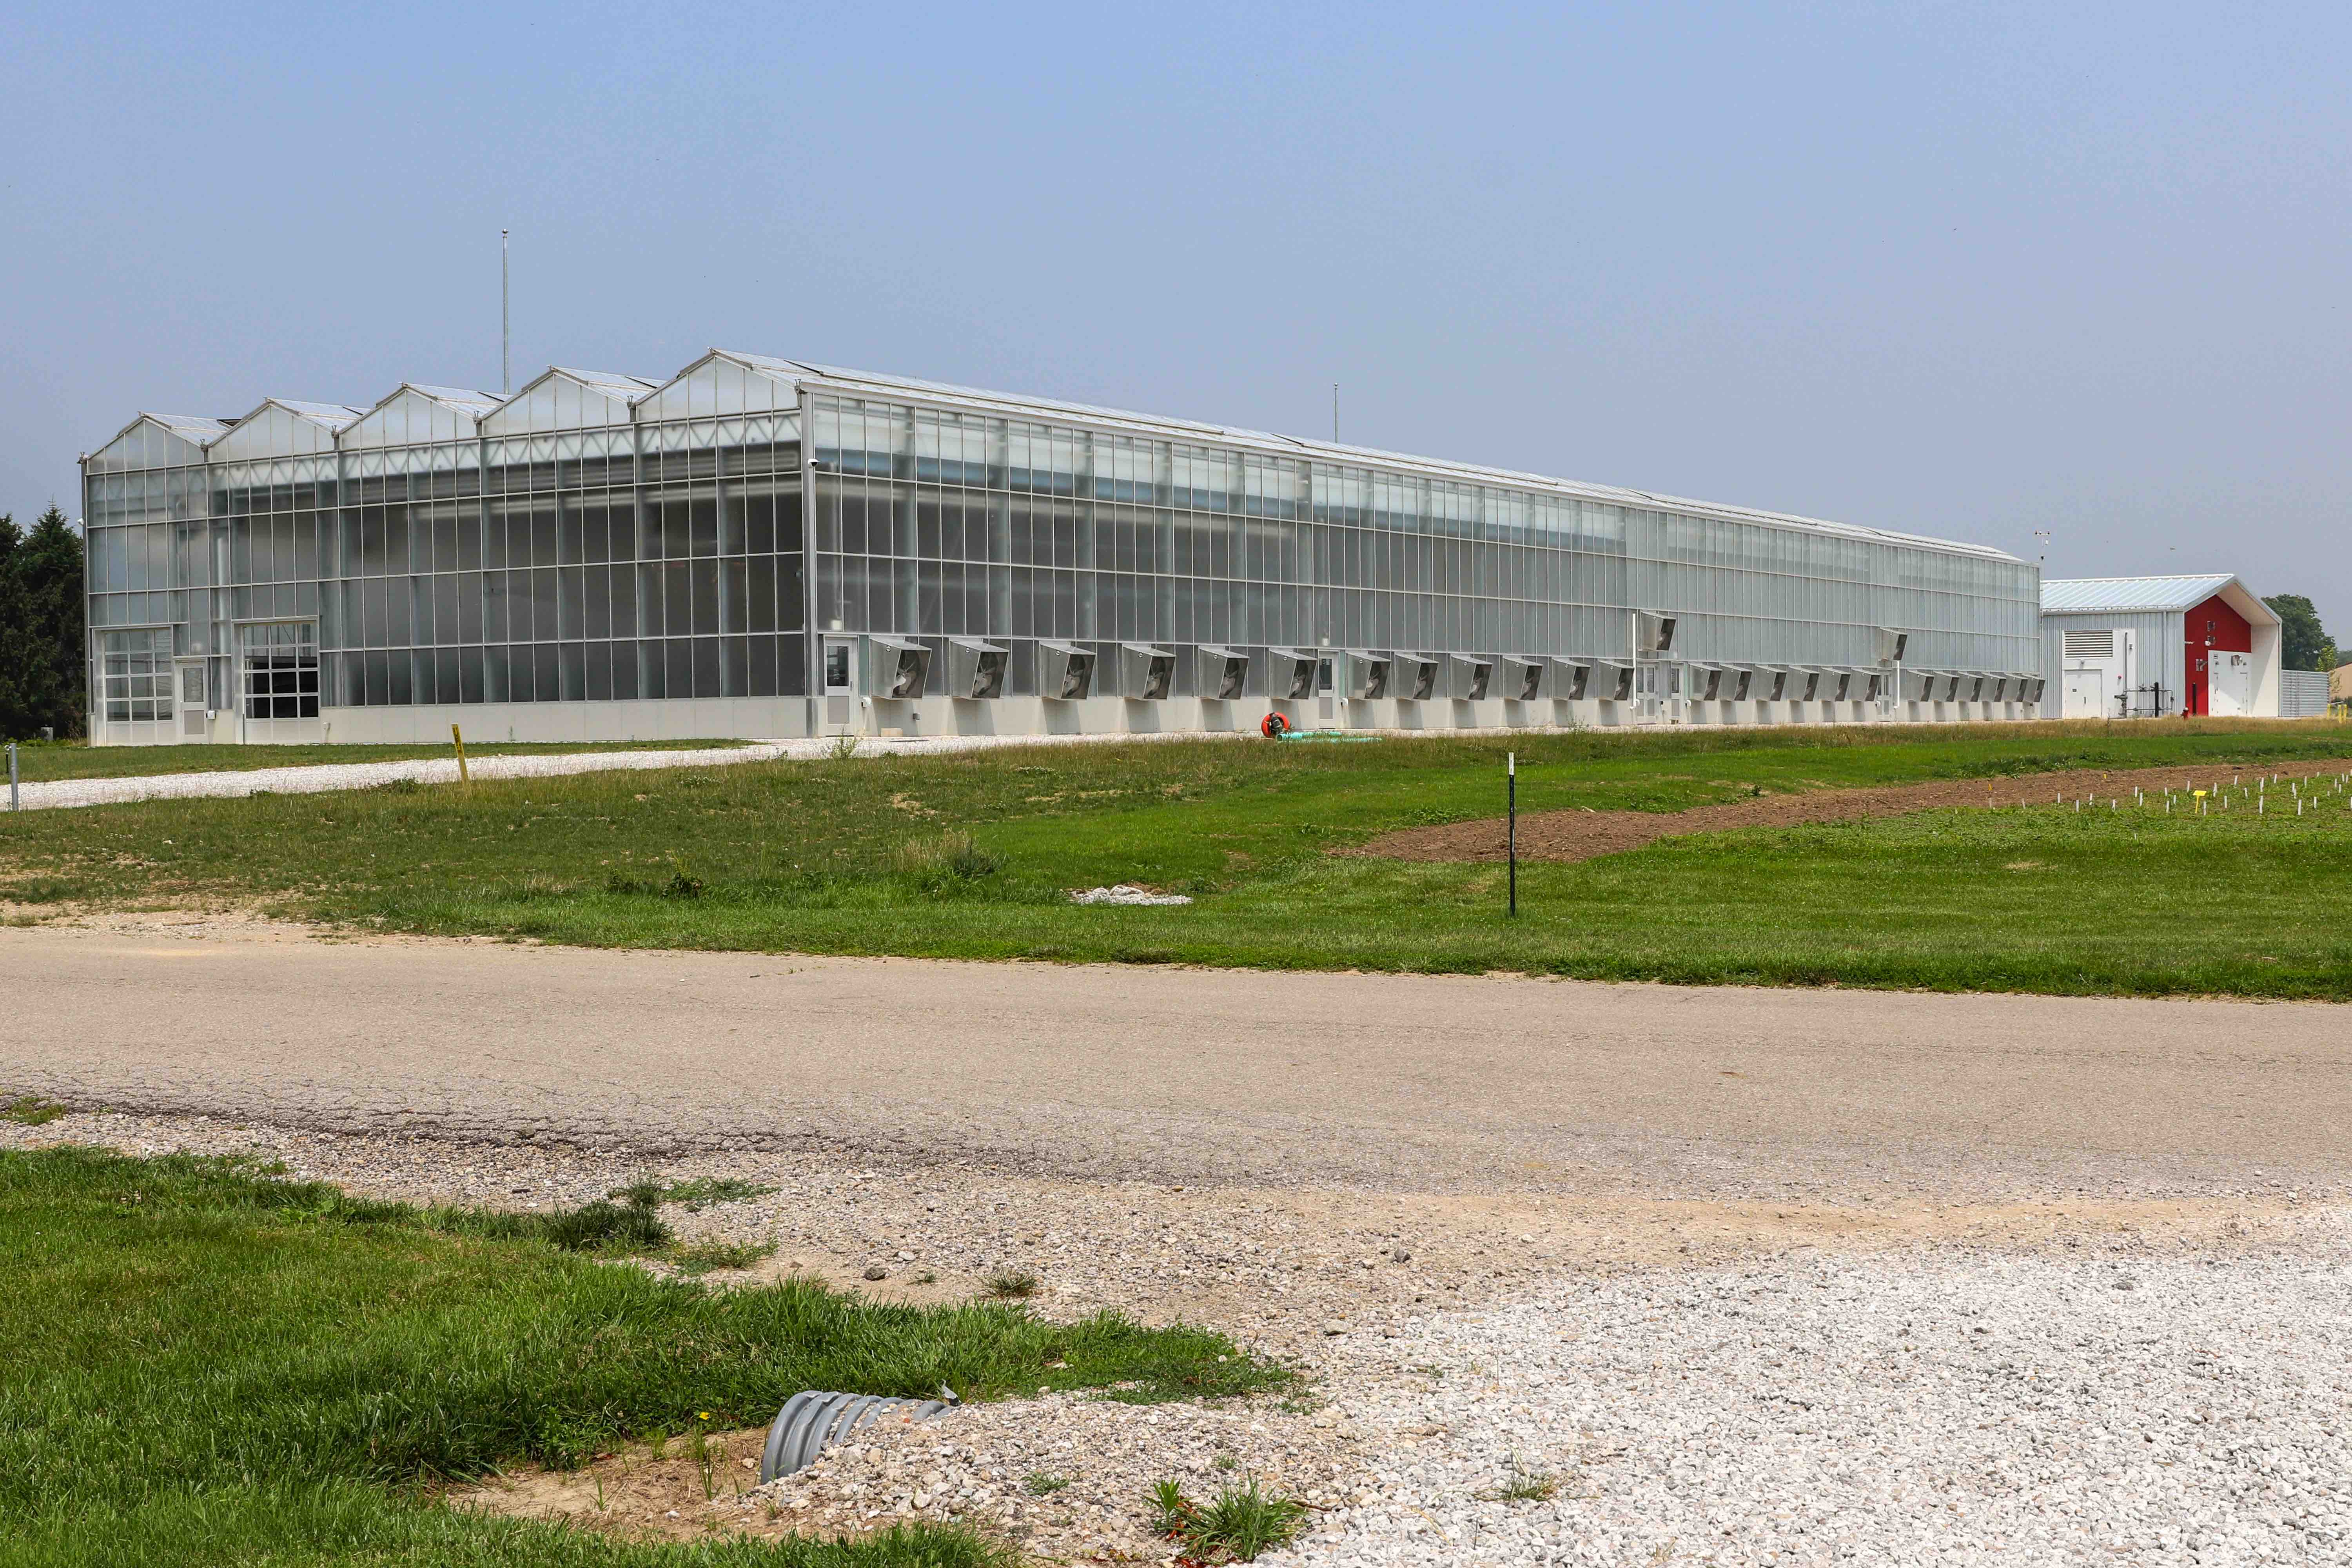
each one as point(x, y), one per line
point(812, 1421)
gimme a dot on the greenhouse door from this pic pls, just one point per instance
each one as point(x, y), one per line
point(840, 683)
point(195, 723)
point(2229, 687)
point(278, 681)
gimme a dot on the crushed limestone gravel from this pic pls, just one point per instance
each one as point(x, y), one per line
point(1068, 1476)
point(316, 778)
point(2139, 1391)
point(1943, 1406)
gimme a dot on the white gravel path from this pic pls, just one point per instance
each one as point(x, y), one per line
point(1948, 1406)
point(2141, 1391)
point(315, 778)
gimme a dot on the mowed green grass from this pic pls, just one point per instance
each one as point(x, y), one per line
point(205, 1365)
point(45, 762)
point(871, 857)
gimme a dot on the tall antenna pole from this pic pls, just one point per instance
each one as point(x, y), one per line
point(506, 371)
point(1335, 414)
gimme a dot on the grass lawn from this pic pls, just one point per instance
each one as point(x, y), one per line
point(40, 761)
point(205, 1365)
point(970, 856)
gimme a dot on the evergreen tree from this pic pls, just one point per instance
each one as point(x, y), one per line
point(24, 664)
point(2303, 642)
point(53, 576)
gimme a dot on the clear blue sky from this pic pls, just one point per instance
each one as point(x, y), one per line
point(1971, 270)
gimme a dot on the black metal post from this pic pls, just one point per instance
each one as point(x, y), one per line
point(1512, 833)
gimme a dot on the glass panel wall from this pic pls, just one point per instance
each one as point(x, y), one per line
point(933, 524)
point(568, 568)
point(278, 669)
point(135, 675)
point(666, 560)
point(936, 524)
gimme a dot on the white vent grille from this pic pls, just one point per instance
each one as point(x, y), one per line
point(2090, 645)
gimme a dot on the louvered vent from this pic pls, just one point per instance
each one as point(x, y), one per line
point(2090, 645)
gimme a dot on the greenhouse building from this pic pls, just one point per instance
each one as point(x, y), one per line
point(762, 547)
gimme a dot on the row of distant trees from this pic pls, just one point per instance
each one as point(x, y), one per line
point(44, 674)
point(2303, 642)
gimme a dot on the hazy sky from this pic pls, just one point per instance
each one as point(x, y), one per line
point(1968, 270)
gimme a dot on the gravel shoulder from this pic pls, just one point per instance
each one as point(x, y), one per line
point(1586, 835)
point(1745, 1278)
point(1763, 1380)
point(321, 777)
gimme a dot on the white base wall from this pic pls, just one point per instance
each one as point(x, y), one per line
point(786, 718)
point(934, 716)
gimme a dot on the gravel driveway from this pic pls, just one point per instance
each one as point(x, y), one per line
point(1746, 1276)
point(1437, 1083)
point(319, 778)
point(1951, 1405)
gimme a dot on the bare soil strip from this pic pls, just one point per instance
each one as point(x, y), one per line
point(1587, 835)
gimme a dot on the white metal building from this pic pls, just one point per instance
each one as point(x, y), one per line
point(760, 546)
point(2118, 647)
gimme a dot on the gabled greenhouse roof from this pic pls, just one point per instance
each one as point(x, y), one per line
point(610, 380)
point(156, 441)
point(197, 428)
point(562, 399)
point(459, 398)
point(334, 416)
point(283, 427)
point(606, 399)
point(331, 416)
point(412, 415)
point(852, 381)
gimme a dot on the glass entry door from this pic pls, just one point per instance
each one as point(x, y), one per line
point(195, 723)
point(840, 680)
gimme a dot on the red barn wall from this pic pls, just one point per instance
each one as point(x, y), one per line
point(2211, 625)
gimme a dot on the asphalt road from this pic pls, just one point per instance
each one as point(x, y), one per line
point(1434, 1083)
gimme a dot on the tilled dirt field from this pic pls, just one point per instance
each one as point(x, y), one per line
point(1586, 835)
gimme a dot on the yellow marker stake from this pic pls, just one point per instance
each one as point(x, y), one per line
point(459, 742)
